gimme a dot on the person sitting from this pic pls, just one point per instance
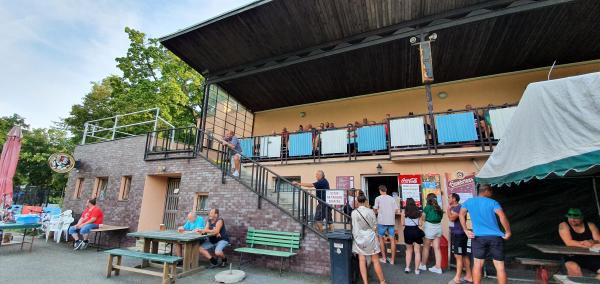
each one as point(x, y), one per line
point(194, 223)
point(235, 150)
point(91, 218)
point(575, 232)
point(215, 226)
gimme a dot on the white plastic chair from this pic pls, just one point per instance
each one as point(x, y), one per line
point(64, 228)
point(53, 226)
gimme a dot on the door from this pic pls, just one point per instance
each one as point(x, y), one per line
point(172, 203)
point(373, 183)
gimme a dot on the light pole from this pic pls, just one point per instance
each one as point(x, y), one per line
point(426, 60)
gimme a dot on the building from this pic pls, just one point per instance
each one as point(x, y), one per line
point(276, 64)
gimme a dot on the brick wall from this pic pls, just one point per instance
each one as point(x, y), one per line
point(238, 205)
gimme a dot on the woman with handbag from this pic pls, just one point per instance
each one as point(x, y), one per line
point(413, 235)
point(365, 241)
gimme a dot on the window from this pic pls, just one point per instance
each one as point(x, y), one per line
point(100, 188)
point(201, 204)
point(125, 187)
point(78, 188)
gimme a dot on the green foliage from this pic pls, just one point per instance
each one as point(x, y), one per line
point(152, 77)
point(36, 147)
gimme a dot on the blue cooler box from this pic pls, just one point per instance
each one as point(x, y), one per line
point(27, 218)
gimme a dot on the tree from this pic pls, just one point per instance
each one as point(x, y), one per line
point(152, 77)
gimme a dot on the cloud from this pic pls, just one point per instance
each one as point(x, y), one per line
point(52, 50)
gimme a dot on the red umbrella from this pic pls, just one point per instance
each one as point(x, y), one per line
point(8, 164)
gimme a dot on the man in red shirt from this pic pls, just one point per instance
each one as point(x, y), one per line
point(91, 218)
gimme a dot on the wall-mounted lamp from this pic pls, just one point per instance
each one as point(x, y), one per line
point(442, 95)
point(163, 168)
point(379, 169)
point(302, 114)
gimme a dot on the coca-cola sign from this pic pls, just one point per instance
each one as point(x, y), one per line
point(409, 179)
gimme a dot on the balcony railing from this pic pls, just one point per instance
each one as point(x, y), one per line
point(177, 143)
point(459, 131)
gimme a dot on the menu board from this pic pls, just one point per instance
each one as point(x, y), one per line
point(410, 187)
point(431, 184)
point(462, 184)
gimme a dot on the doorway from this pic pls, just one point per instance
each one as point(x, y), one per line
point(371, 185)
point(172, 203)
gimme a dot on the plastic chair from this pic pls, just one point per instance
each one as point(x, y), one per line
point(52, 210)
point(53, 225)
point(64, 227)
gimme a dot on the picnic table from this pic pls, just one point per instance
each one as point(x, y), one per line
point(189, 240)
point(107, 229)
point(563, 250)
point(19, 226)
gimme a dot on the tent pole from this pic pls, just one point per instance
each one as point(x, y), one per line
point(596, 195)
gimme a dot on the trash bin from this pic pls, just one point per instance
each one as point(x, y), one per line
point(340, 254)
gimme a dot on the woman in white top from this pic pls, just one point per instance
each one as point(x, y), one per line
point(365, 241)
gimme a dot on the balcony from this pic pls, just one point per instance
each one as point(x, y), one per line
point(459, 133)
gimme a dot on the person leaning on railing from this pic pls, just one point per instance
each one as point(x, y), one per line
point(323, 211)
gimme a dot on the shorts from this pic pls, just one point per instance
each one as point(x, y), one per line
point(460, 244)
point(323, 212)
point(381, 229)
point(218, 247)
point(412, 235)
point(84, 230)
point(591, 263)
point(488, 246)
point(432, 230)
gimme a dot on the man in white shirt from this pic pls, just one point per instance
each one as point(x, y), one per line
point(386, 209)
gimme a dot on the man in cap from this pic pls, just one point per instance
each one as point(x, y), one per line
point(575, 232)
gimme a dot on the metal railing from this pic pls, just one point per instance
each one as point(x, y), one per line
point(176, 143)
point(302, 205)
point(123, 125)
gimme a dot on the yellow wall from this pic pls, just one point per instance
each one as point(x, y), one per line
point(153, 203)
point(478, 92)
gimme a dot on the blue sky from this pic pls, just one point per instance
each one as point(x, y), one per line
point(50, 50)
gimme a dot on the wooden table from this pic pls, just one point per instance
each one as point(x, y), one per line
point(19, 226)
point(563, 250)
point(189, 240)
point(105, 229)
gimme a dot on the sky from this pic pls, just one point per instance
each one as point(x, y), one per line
point(51, 50)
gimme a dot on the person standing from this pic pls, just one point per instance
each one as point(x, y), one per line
point(323, 211)
point(459, 241)
point(413, 235)
point(386, 208)
point(215, 226)
point(433, 231)
point(235, 150)
point(91, 218)
point(365, 240)
point(487, 238)
point(575, 232)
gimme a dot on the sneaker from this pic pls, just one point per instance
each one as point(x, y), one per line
point(236, 174)
point(417, 272)
point(390, 261)
point(435, 270)
point(423, 267)
point(77, 244)
point(223, 264)
point(407, 270)
point(84, 245)
point(382, 260)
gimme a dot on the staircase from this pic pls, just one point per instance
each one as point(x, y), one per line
point(292, 200)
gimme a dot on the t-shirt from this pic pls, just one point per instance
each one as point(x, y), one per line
point(321, 184)
point(198, 224)
point(457, 229)
point(236, 143)
point(386, 209)
point(89, 213)
point(483, 216)
point(431, 215)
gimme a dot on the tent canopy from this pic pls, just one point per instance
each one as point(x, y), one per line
point(555, 131)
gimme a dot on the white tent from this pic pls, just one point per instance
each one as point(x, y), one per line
point(555, 131)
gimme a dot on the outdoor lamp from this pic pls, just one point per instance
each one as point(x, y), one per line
point(379, 169)
point(302, 114)
point(442, 95)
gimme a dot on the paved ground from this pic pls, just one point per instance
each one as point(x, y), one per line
point(58, 263)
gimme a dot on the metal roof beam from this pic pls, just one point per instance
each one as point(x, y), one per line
point(453, 18)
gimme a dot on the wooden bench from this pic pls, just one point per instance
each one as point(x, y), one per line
point(270, 240)
point(107, 228)
point(169, 262)
point(564, 279)
point(541, 265)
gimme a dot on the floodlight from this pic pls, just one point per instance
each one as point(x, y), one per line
point(433, 36)
point(413, 40)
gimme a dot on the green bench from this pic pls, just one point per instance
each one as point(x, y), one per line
point(169, 262)
point(268, 241)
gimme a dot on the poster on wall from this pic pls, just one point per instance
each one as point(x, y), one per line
point(335, 197)
point(410, 187)
point(462, 184)
point(431, 183)
point(344, 182)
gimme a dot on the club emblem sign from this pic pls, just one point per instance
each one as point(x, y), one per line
point(61, 162)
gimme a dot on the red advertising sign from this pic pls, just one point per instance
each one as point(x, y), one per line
point(410, 187)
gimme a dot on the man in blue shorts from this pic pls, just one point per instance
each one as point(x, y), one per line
point(386, 208)
point(487, 238)
point(219, 239)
